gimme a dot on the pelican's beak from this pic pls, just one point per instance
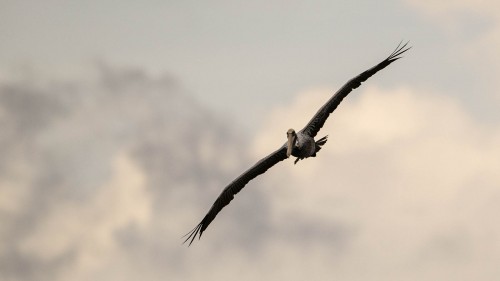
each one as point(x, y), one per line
point(291, 142)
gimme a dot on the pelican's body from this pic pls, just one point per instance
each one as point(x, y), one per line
point(299, 144)
point(302, 145)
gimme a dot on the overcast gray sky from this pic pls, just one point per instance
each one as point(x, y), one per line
point(122, 122)
point(244, 58)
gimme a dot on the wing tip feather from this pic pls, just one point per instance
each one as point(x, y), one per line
point(191, 235)
point(400, 49)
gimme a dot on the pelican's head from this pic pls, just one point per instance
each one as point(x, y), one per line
point(292, 136)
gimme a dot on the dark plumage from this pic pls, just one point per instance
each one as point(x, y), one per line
point(300, 145)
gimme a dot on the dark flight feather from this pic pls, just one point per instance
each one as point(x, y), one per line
point(319, 119)
point(233, 188)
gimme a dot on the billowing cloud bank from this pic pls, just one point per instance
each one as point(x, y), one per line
point(100, 179)
point(410, 174)
point(96, 175)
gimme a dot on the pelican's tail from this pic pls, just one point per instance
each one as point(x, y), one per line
point(321, 141)
point(319, 144)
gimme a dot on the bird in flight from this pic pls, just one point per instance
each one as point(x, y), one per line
point(300, 144)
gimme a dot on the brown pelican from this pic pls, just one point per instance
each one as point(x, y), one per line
point(300, 144)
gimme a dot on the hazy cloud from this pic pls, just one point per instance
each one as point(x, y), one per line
point(94, 173)
point(411, 174)
point(102, 177)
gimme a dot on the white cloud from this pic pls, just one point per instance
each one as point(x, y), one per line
point(100, 180)
point(410, 171)
point(406, 189)
point(88, 228)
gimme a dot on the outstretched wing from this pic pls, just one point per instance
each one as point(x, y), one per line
point(233, 188)
point(320, 117)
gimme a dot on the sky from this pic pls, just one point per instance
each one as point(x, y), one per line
point(122, 123)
